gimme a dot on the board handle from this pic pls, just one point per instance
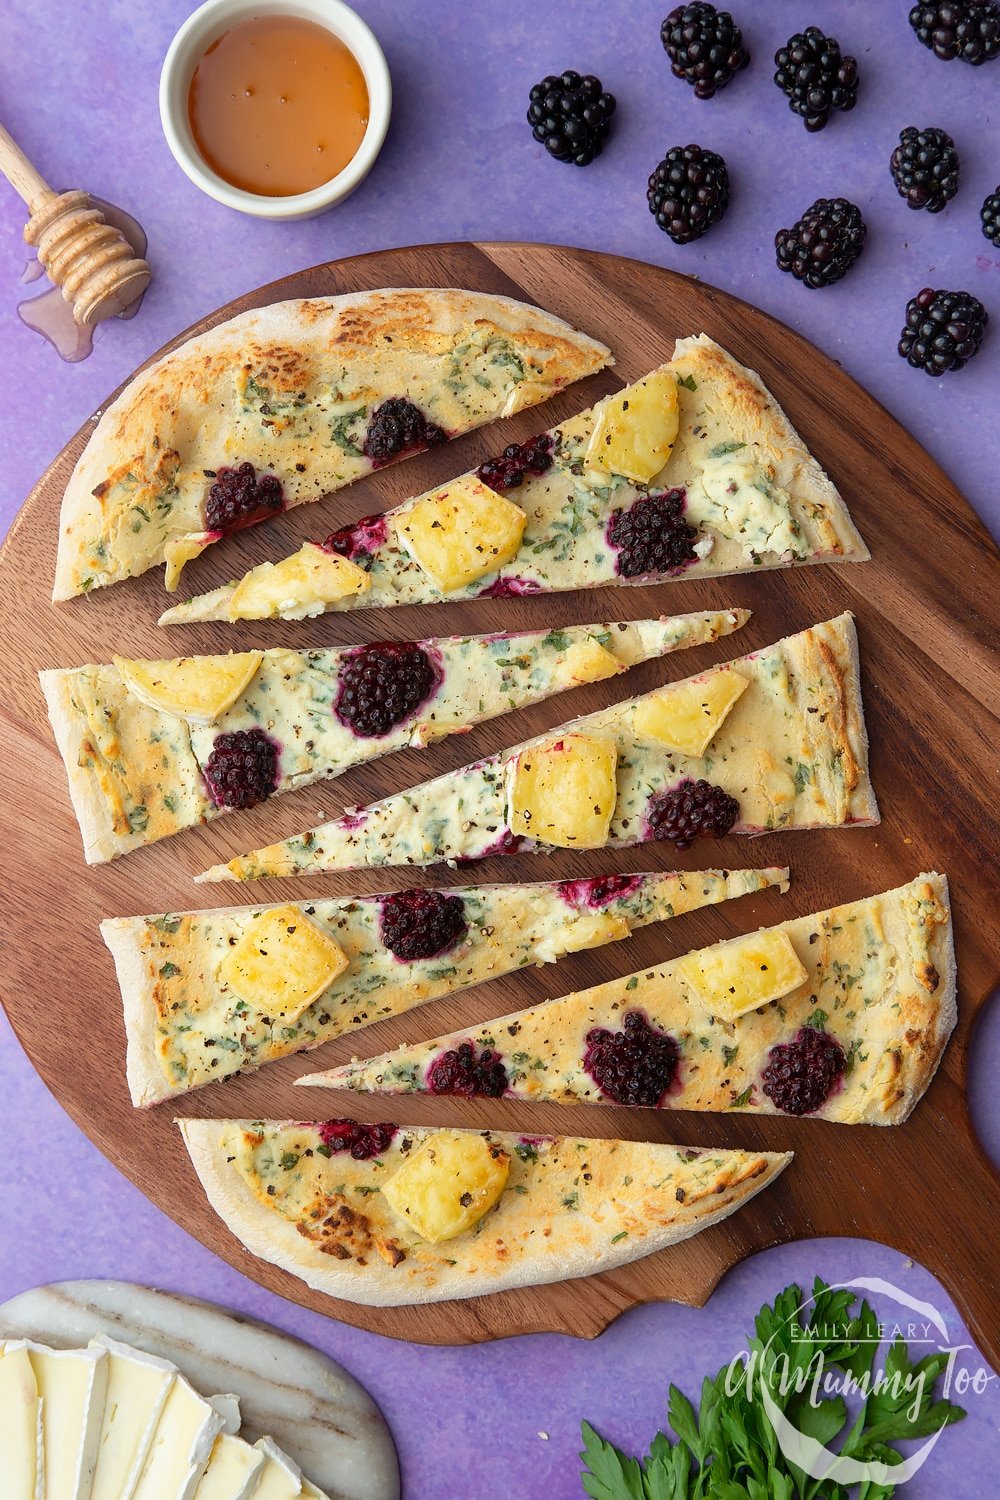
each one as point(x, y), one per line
point(951, 1229)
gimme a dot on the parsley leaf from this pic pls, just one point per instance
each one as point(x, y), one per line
point(728, 1450)
point(610, 1475)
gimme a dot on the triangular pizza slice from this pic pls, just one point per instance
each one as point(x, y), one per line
point(390, 1215)
point(774, 740)
point(210, 993)
point(283, 404)
point(693, 471)
point(843, 1015)
point(151, 747)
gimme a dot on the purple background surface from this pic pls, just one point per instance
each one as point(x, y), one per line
point(79, 92)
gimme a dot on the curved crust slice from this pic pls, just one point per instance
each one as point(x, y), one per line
point(879, 978)
point(289, 388)
point(334, 1230)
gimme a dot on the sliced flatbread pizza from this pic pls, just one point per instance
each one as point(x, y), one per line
point(283, 404)
point(151, 747)
point(211, 993)
point(389, 1216)
point(774, 740)
point(694, 471)
point(843, 1015)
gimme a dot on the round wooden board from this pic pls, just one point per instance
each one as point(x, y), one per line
point(925, 607)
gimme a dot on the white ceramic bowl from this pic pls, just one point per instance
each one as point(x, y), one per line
point(193, 39)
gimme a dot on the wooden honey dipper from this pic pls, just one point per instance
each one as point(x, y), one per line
point(82, 253)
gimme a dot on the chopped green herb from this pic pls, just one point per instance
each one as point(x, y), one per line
point(728, 1448)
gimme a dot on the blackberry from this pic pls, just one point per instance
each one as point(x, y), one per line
point(382, 684)
point(990, 215)
point(598, 890)
point(362, 1141)
point(237, 498)
point(396, 427)
point(467, 1073)
point(970, 31)
point(571, 116)
point(924, 168)
point(688, 192)
point(943, 330)
point(705, 46)
point(359, 542)
point(505, 842)
point(799, 1075)
point(421, 923)
point(242, 769)
point(509, 588)
point(690, 810)
point(816, 76)
point(635, 1065)
point(652, 536)
point(822, 246)
point(517, 459)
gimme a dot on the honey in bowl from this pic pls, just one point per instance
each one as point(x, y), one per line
point(278, 105)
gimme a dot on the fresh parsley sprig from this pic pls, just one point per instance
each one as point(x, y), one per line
point(728, 1450)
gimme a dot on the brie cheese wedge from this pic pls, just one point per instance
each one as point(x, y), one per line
point(280, 1478)
point(72, 1386)
point(233, 1470)
point(138, 1387)
point(20, 1426)
point(181, 1446)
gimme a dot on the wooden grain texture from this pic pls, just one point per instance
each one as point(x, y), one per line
point(927, 607)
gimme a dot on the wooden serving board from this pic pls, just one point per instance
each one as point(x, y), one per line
point(925, 607)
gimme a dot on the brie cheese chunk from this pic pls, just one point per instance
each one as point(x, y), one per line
point(21, 1467)
point(138, 1387)
point(72, 1386)
point(181, 1447)
point(280, 1478)
point(734, 496)
point(233, 1470)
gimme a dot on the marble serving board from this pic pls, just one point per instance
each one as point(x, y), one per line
point(312, 1407)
